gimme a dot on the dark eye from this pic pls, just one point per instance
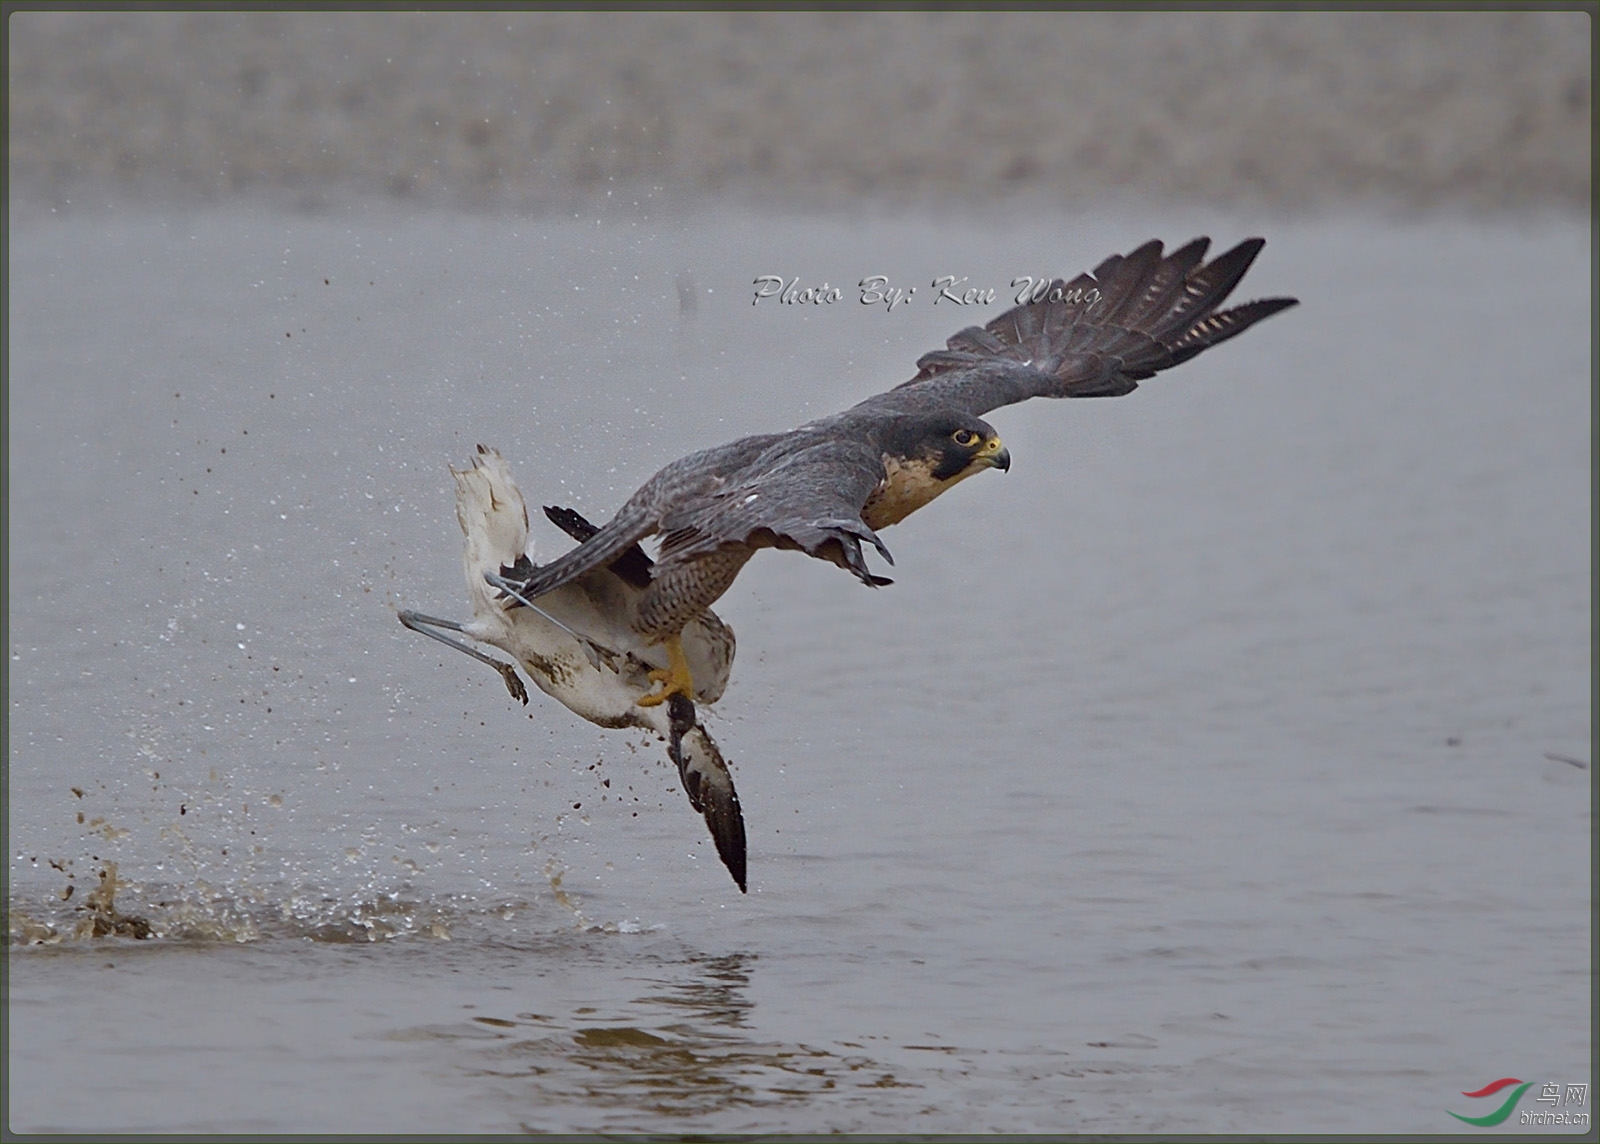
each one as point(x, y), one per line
point(966, 438)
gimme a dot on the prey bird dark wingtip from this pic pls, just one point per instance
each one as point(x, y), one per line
point(709, 785)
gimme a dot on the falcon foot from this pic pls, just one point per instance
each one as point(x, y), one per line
point(675, 680)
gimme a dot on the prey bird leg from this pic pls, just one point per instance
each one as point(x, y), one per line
point(418, 622)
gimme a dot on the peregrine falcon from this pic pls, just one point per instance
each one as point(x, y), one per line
point(831, 484)
point(599, 628)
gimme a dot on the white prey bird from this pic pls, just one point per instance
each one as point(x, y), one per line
point(578, 647)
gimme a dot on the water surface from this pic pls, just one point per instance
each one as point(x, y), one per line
point(1202, 774)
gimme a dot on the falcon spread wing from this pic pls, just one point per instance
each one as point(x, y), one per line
point(825, 487)
point(1096, 336)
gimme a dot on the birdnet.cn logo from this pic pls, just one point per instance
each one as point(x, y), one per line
point(1565, 1101)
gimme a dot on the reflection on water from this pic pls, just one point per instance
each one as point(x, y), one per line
point(694, 1061)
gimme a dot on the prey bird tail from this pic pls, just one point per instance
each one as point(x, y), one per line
point(708, 783)
point(493, 519)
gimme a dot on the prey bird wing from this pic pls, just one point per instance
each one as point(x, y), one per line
point(1096, 336)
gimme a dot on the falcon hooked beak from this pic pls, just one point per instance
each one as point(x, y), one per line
point(994, 454)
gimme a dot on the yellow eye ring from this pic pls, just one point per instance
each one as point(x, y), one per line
point(966, 438)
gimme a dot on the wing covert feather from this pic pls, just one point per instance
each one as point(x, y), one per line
point(807, 495)
point(686, 481)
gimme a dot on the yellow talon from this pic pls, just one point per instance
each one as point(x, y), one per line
point(676, 679)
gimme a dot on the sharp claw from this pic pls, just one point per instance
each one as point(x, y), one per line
point(671, 688)
point(674, 680)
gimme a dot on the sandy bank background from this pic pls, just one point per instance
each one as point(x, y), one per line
point(531, 110)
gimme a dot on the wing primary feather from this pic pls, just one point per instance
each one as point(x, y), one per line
point(1208, 331)
point(1096, 336)
point(1209, 286)
point(1124, 284)
point(1166, 283)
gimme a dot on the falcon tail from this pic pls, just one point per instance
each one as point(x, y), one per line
point(633, 566)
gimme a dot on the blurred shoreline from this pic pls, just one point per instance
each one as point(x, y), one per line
point(1278, 111)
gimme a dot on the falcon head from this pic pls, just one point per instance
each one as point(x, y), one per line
point(924, 455)
point(962, 445)
point(947, 446)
